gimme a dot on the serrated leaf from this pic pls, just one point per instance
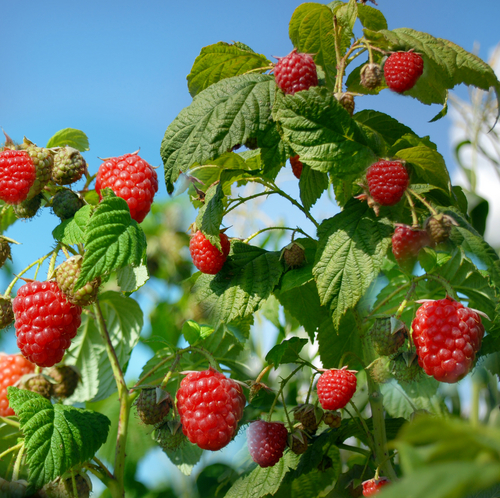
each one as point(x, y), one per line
point(113, 240)
point(323, 133)
point(351, 250)
point(185, 457)
point(312, 184)
point(131, 279)
point(371, 18)
point(286, 352)
point(227, 113)
point(124, 320)
point(57, 437)
point(223, 60)
point(389, 128)
point(429, 165)
point(445, 64)
point(210, 215)
point(72, 231)
point(263, 481)
point(194, 332)
point(7, 217)
point(311, 32)
point(69, 137)
point(237, 291)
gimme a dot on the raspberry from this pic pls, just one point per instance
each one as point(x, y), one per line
point(296, 166)
point(12, 368)
point(17, 175)
point(438, 226)
point(387, 181)
point(43, 161)
point(266, 442)
point(5, 253)
point(295, 72)
point(372, 486)
point(298, 442)
point(6, 313)
point(206, 257)
point(447, 336)
point(37, 383)
point(406, 244)
point(402, 70)
point(150, 408)
point(170, 436)
point(45, 322)
point(28, 208)
point(294, 255)
point(332, 418)
point(335, 388)
point(387, 335)
point(132, 179)
point(309, 416)
point(66, 203)
point(69, 166)
point(67, 274)
point(346, 100)
point(210, 406)
point(66, 378)
point(371, 76)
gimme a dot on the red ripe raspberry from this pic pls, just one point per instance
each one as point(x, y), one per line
point(335, 388)
point(45, 322)
point(406, 244)
point(402, 70)
point(266, 442)
point(447, 336)
point(132, 179)
point(17, 175)
point(295, 72)
point(12, 368)
point(210, 406)
point(387, 181)
point(206, 257)
point(372, 486)
point(296, 166)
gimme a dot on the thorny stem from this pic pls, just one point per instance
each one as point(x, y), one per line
point(248, 239)
point(283, 384)
point(39, 261)
point(8, 421)
point(414, 217)
point(125, 403)
point(403, 304)
point(261, 375)
point(154, 369)
point(354, 449)
point(311, 386)
point(17, 465)
point(169, 374)
point(52, 263)
point(423, 201)
point(290, 425)
point(237, 202)
point(363, 423)
point(12, 449)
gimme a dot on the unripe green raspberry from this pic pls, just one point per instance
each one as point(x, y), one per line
point(37, 383)
point(297, 441)
point(332, 418)
point(28, 208)
point(66, 378)
point(371, 76)
point(69, 166)
point(66, 203)
point(6, 312)
point(379, 370)
point(4, 251)
point(405, 367)
point(150, 408)
point(170, 436)
point(43, 161)
point(67, 274)
point(388, 335)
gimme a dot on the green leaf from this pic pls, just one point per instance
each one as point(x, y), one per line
point(124, 321)
point(312, 184)
point(311, 31)
point(72, 231)
point(194, 332)
point(286, 352)
point(323, 133)
point(7, 217)
point(210, 215)
point(351, 251)
point(386, 126)
point(429, 165)
point(113, 240)
point(69, 137)
point(445, 64)
point(185, 457)
point(225, 114)
point(132, 278)
point(371, 18)
point(403, 399)
point(263, 481)
point(223, 60)
point(57, 437)
point(248, 277)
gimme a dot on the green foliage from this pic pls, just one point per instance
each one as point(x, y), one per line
point(69, 137)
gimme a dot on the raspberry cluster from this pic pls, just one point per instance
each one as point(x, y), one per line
point(45, 322)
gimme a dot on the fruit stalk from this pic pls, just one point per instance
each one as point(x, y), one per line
point(125, 404)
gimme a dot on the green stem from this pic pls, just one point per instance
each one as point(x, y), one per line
point(52, 263)
point(248, 239)
point(10, 450)
point(153, 370)
point(240, 201)
point(414, 217)
point(39, 261)
point(363, 423)
point(125, 403)
point(423, 201)
point(283, 384)
point(474, 405)
point(290, 424)
point(170, 372)
point(8, 421)
point(354, 449)
point(17, 465)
